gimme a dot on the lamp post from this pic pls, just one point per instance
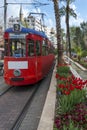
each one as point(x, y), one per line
point(5, 13)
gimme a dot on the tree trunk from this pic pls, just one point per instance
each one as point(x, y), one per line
point(68, 44)
point(58, 30)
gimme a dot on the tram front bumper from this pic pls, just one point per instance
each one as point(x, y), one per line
point(20, 81)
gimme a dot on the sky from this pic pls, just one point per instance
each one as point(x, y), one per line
point(79, 6)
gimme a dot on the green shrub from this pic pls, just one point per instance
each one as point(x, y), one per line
point(67, 102)
point(63, 69)
point(71, 126)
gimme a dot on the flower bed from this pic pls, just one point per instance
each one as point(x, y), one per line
point(71, 108)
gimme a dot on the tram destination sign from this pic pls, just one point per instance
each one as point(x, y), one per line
point(17, 36)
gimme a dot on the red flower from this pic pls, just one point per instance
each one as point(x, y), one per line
point(57, 75)
point(61, 86)
point(71, 87)
point(66, 92)
point(78, 87)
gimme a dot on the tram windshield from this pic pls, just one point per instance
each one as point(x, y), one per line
point(16, 47)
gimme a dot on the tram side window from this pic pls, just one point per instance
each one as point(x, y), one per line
point(47, 52)
point(44, 48)
point(6, 48)
point(51, 50)
point(38, 51)
point(30, 48)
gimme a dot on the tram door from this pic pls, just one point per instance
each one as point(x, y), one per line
point(34, 53)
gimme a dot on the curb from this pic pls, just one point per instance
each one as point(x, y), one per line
point(47, 117)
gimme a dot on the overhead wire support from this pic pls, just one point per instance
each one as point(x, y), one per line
point(42, 15)
point(2, 7)
point(37, 13)
point(41, 4)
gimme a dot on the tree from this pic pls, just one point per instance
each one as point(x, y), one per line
point(58, 30)
point(72, 36)
point(79, 52)
point(77, 37)
point(83, 26)
point(67, 11)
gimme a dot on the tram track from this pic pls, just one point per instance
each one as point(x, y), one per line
point(21, 116)
point(13, 106)
point(3, 87)
point(5, 91)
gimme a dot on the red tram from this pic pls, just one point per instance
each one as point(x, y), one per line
point(28, 55)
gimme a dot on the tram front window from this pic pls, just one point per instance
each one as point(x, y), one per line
point(17, 48)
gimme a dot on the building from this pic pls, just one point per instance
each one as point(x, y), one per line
point(51, 33)
point(13, 20)
point(33, 23)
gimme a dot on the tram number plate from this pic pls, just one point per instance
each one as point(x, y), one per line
point(16, 27)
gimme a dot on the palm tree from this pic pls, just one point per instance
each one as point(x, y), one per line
point(58, 30)
point(67, 11)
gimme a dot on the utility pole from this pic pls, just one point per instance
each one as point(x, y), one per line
point(5, 14)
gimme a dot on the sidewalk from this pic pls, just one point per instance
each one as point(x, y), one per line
point(47, 117)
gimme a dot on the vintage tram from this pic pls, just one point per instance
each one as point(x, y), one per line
point(28, 55)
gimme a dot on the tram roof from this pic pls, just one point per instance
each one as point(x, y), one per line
point(27, 30)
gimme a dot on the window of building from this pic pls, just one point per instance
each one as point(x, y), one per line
point(28, 21)
point(33, 21)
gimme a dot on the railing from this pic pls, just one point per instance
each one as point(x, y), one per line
point(78, 70)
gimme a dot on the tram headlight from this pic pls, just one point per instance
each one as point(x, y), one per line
point(17, 73)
